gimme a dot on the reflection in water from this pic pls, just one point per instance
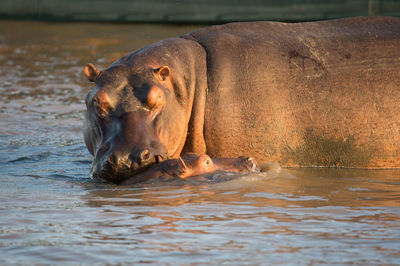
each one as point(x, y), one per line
point(51, 212)
point(297, 187)
point(298, 215)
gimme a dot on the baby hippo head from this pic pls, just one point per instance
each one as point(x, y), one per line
point(193, 165)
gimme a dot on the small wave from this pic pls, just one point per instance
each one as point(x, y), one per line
point(31, 158)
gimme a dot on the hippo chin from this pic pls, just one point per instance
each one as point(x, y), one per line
point(300, 94)
point(191, 165)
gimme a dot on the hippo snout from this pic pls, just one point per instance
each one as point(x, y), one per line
point(119, 166)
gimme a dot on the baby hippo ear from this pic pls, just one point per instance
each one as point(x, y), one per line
point(162, 73)
point(91, 72)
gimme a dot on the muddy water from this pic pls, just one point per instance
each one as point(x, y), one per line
point(51, 212)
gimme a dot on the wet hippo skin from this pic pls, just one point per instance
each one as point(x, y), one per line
point(302, 94)
point(194, 165)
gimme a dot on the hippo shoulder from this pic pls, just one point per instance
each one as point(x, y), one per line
point(168, 51)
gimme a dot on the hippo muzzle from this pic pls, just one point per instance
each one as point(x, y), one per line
point(129, 147)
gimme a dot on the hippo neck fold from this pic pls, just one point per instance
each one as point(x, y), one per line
point(195, 141)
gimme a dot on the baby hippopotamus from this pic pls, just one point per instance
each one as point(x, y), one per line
point(194, 165)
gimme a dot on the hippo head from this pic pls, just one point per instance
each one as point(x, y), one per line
point(134, 119)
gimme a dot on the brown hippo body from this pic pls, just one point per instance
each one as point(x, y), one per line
point(191, 165)
point(303, 94)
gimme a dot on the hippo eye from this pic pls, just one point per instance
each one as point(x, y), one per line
point(155, 97)
point(101, 109)
point(155, 102)
point(207, 162)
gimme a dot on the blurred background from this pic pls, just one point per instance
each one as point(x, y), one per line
point(194, 11)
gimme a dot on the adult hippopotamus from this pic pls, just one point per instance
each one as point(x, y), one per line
point(302, 94)
point(191, 165)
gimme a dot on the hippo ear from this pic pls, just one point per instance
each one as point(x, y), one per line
point(91, 72)
point(162, 73)
point(184, 171)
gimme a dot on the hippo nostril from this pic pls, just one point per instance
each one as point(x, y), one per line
point(134, 165)
point(144, 155)
point(113, 159)
point(159, 158)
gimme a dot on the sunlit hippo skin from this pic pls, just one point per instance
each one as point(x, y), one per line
point(191, 165)
point(301, 94)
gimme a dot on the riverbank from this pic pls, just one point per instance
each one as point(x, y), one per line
point(194, 11)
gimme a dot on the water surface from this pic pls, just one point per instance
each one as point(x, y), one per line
point(51, 212)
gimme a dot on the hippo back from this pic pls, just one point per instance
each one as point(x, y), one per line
point(316, 93)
